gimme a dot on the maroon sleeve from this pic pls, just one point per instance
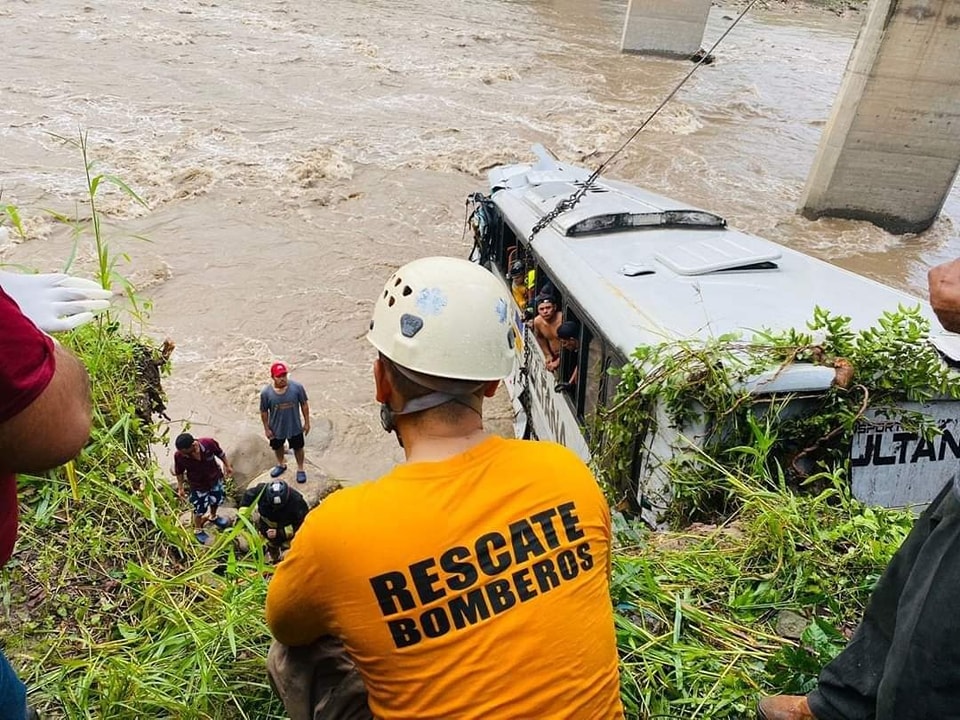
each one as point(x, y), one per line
point(26, 360)
point(212, 447)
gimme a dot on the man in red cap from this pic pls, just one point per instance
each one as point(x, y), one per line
point(281, 405)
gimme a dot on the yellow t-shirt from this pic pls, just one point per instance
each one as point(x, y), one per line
point(475, 587)
point(519, 295)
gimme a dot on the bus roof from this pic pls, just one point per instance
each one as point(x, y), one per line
point(646, 269)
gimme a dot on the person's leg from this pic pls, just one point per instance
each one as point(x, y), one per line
point(318, 681)
point(217, 494)
point(296, 444)
point(201, 506)
point(849, 685)
point(922, 675)
point(13, 693)
point(278, 444)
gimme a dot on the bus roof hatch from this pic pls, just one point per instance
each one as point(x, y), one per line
point(720, 253)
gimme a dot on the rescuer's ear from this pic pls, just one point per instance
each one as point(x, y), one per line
point(490, 389)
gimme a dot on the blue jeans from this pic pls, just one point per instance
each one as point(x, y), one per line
point(13, 694)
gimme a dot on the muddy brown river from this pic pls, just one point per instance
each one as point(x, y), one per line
point(293, 153)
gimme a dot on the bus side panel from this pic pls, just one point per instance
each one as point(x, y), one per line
point(550, 413)
point(895, 467)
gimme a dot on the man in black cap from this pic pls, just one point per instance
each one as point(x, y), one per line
point(545, 324)
point(568, 335)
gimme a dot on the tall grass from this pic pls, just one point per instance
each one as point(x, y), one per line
point(697, 610)
point(111, 609)
point(91, 223)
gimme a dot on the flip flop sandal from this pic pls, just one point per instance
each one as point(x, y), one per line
point(221, 523)
point(202, 538)
point(278, 470)
point(301, 476)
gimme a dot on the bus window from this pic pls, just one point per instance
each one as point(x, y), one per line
point(596, 381)
point(506, 246)
point(546, 318)
point(574, 342)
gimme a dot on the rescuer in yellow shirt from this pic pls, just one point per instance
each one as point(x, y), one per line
point(472, 580)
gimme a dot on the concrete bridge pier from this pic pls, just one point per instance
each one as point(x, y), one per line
point(673, 28)
point(891, 149)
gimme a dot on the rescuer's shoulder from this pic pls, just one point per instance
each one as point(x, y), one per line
point(341, 511)
point(546, 451)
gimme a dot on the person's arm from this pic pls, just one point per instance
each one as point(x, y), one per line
point(55, 426)
point(181, 485)
point(222, 457)
point(302, 509)
point(944, 284)
point(265, 415)
point(305, 409)
point(251, 495)
point(297, 607)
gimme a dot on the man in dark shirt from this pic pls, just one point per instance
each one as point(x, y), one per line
point(282, 511)
point(568, 335)
point(195, 465)
point(44, 421)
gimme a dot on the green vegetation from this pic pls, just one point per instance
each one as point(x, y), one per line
point(763, 518)
point(111, 608)
point(11, 214)
point(92, 223)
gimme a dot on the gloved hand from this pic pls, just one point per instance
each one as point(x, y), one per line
point(55, 301)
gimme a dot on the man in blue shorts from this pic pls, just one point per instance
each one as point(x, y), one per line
point(281, 405)
point(195, 465)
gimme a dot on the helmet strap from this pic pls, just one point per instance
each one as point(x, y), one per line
point(425, 402)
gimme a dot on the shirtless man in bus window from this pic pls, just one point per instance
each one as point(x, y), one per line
point(545, 326)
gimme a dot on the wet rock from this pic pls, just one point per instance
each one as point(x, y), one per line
point(224, 511)
point(241, 543)
point(250, 456)
point(701, 56)
point(318, 485)
point(320, 435)
point(791, 625)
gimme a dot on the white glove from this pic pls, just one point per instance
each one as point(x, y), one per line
point(55, 301)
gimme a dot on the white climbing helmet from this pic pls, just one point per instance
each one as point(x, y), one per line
point(445, 317)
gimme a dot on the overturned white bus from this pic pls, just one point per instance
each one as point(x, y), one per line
point(636, 269)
